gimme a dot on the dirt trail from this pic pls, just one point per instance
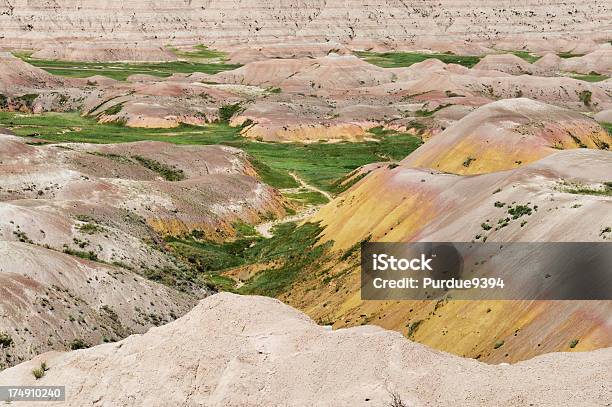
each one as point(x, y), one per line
point(265, 229)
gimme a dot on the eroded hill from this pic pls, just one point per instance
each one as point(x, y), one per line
point(257, 351)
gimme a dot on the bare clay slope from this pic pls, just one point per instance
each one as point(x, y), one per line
point(254, 351)
point(51, 300)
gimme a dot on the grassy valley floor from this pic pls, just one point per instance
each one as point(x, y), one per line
point(320, 164)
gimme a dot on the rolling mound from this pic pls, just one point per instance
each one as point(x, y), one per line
point(173, 189)
point(508, 63)
point(506, 134)
point(402, 204)
point(16, 75)
point(257, 351)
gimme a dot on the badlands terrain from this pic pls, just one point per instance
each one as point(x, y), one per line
point(156, 158)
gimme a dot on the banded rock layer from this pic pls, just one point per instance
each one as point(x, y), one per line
point(348, 21)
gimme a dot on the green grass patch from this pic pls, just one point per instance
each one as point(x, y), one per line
point(320, 164)
point(207, 257)
point(307, 197)
point(404, 59)
point(527, 56)
point(592, 77)
point(200, 52)
point(569, 55)
point(244, 229)
point(292, 250)
point(122, 70)
point(271, 176)
point(220, 283)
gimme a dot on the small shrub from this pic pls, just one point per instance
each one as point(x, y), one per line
point(39, 372)
point(396, 400)
point(79, 344)
point(468, 161)
point(413, 328)
point(573, 343)
point(585, 97)
point(274, 90)
point(498, 344)
point(228, 111)
point(5, 340)
point(519, 210)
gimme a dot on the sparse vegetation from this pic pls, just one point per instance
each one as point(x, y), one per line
point(569, 55)
point(90, 228)
point(573, 343)
point(427, 113)
point(169, 173)
point(113, 110)
point(573, 188)
point(90, 255)
point(346, 183)
point(498, 344)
